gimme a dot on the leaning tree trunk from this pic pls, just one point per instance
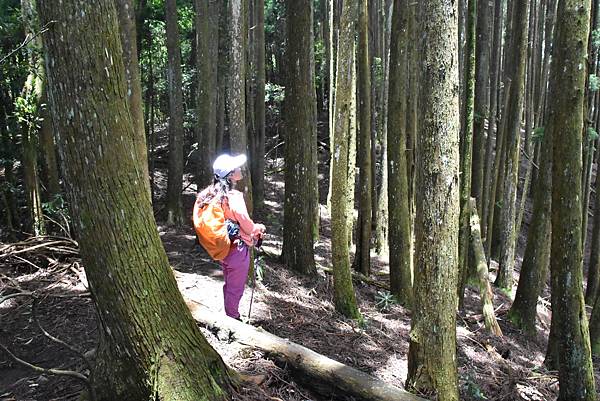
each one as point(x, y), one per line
point(150, 345)
point(206, 126)
point(362, 261)
point(432, 352)
point(300, 123)
point(344, 297)
point(398, 198)
point(567, 81)
point(175, 174)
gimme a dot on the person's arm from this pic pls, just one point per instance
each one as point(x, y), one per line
point(237, 205)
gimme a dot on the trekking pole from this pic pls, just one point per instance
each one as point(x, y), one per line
point(256, 247)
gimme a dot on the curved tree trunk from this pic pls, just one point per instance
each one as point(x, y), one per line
point(432, 352)
point(567, 83)
point(150, 345)
point(300, 119)
point(398, 198)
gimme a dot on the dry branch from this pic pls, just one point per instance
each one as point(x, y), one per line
point(317, 367)
point(361, 277)
point(481, 267)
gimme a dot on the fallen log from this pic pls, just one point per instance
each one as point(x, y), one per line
point(311, 364)
point(482, 272)
point(357, 276)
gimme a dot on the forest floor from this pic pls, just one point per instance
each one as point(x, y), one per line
point(293, 307)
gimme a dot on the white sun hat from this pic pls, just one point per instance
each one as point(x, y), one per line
point(225, 164)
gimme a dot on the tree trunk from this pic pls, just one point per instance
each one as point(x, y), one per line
point(344, 298)
point(236, 91)
point(258, 177)
point(299, 114)
point(432, 352)
point(128, 35)
point(516, 73)
point(492, 137)
point(174, 79)
point(534, 269)
point(398, 200)
point(362, 261)
point(482, 99)
point(150, 345)
point(466, 150)
point(567, 84)
point(206, 126)
point(48, 149)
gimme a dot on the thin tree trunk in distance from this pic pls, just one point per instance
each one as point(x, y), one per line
point(150, 346)
point(206, 126)
point(567, 81)
point(516, 73)
point(432, 351)
point(258, 178)
point(174, 79)
point(344, 297)
point(128, 35)
point(48, 149)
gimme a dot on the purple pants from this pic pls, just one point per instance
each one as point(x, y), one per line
point(235, 272)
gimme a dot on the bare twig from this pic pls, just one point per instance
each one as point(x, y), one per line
point(57, 340)
point(14, 295)
point(57, 372)
point(28, 39)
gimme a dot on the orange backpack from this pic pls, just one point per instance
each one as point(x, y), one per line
point(211, 228)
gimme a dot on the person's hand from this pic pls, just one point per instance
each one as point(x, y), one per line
point(261, 229)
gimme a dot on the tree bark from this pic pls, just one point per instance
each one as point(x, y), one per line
point(150, 345)
point(344, 297)
point(567, 84)
point(398, 198)
point(206, 126)
point(362, 261)
point(300, 119)
point(258, 177)
point(432, 351)
point(174, 79)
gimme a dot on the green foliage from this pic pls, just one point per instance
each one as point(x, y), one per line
point(594, 82)
point(384, 300)
point(592, 134)
point(377, 68)
point(538, 134)
point(259, 268)
point(596, 38)
point(274, 94)
point(474, 390)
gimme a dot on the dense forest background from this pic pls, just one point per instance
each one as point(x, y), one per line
point(426, 172)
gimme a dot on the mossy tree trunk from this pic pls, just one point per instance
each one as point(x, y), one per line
point(516, 73)
point(466, 148)
point(51, 176)
point(398, 198)
point(300, 128)
point(432, 352)
point(174, 79)
point(536, 259)
point(344, 297)
point(362, 261)
point(150, 346)
point(206, 124)
point(567, 93)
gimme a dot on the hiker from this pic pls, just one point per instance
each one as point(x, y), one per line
point(243, 232)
